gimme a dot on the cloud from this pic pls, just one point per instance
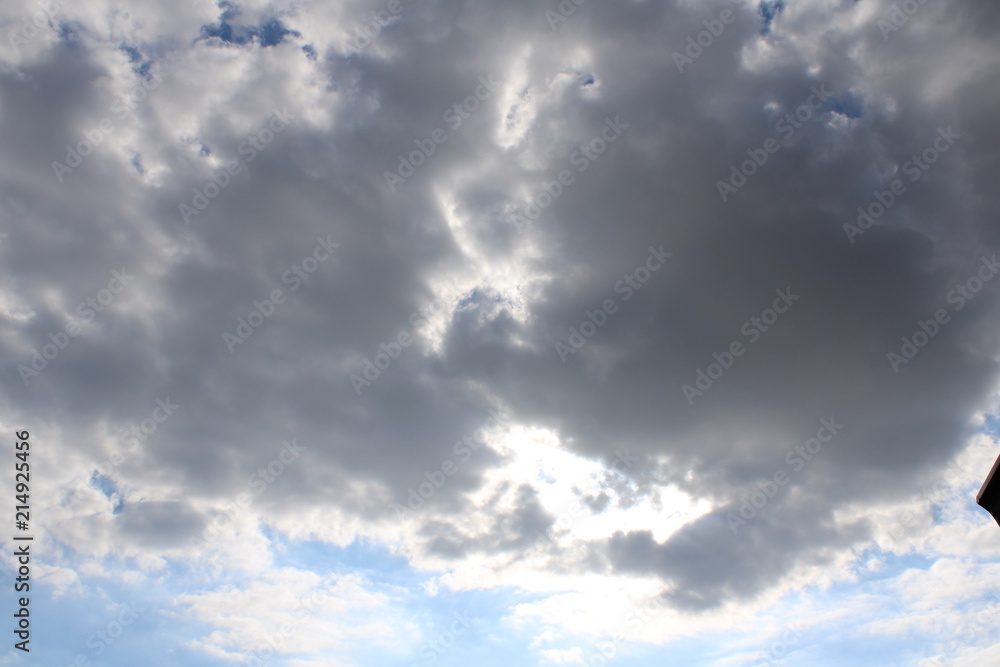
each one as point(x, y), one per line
point(445, 258)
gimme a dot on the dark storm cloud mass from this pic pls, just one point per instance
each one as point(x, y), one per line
point(655, 185)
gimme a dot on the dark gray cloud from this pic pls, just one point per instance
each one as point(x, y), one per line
point(655, 185)
point(160, 525)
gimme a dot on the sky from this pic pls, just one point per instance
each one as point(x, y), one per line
point(395, 333)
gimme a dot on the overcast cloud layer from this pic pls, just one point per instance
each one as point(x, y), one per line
point(504, 332)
